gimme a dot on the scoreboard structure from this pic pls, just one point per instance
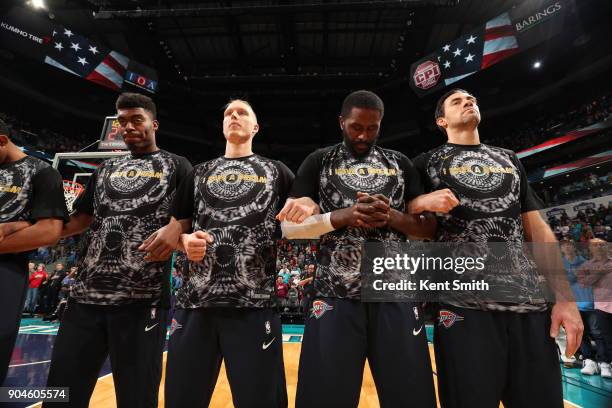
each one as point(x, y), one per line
point(111, 137)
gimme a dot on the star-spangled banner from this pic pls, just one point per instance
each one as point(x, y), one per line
point(41, 39)
point(489, 44)
point(78, 55)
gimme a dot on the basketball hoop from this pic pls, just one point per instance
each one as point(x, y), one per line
point(72, 190)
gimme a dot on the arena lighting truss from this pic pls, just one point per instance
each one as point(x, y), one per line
point(313, 6)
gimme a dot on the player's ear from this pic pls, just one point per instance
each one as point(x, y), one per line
point(441, 122)
point(255, 129)
point(155, 125)
point(4, 140)
point(341, 122)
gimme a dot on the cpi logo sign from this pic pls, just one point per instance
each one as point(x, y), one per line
point(426, 75)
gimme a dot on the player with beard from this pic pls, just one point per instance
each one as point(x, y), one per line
point(489, 351)
point(362, 191)
point(33, 211)
point(118, 302)
point(225, 307)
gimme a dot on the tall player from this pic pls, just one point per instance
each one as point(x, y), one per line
point(32, 213)
point(224, 308)
point(488, 351)
point(118, 303)
point(362, 191)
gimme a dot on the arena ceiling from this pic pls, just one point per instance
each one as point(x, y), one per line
point(296, 60)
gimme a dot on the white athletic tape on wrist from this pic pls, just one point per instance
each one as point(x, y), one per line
point(311, 228)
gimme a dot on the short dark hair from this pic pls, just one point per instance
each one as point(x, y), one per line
point(440, 105)
point(128, 100)
point(362, 99)
point(4, 128)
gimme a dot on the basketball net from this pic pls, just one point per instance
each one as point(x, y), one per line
point(72, 190)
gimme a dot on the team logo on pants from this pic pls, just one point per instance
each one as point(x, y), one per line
point(416, 312)
point(448, 318)
point(174, 327)
point(318, 308)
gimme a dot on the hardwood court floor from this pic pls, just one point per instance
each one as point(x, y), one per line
point(104, 394)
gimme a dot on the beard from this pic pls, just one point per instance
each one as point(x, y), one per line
point(351, 146)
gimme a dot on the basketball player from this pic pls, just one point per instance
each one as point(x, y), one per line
point(224, 308)
point(118, 302)
point(488, 351)
point(32, 213)
point(362, 191)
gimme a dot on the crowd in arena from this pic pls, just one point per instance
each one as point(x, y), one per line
point(588, 224)
point(52, 271)
point(26, 134)
point(48, 289)
point(538, 130)
point(296, 266)
point(588, 267)
point(591, 186)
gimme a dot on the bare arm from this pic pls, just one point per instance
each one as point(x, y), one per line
point(78, 223)
point(547, 255)
point(298, 209)
point(306, 281)
point(588, 276)
point(186, 227)
point(439, 201)
point(548, 258)
point(9, 228)
point(44, 232)
point(422, 226)
point(160, 245)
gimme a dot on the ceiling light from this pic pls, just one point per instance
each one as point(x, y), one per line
point(38, 4)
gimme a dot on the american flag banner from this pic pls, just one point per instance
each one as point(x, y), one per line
point(78, 55)
point(496, 40)
point(500, 41)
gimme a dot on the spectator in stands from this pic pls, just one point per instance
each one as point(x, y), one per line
point(307, 285)
point(285, 274)
point(584, 299)
point(587, 234)
point(295, 271)
point(281, 289)
point(67, 283)
point(177, 279)
point(597, 273)
point(54, 287)
point(576, 230)
point(602, 210)
point(293, 296)
point(31, 270)
point(37, 277)
point(284, 270)
point(599, 230)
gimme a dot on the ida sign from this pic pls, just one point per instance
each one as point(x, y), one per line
point(426, 75)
